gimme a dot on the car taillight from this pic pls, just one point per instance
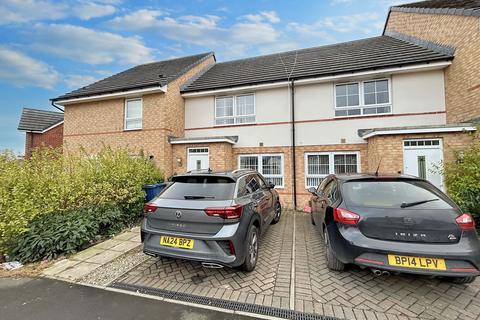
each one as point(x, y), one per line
point(345, 216)
point(466, 222)
point(149, 208)
point(233, 212)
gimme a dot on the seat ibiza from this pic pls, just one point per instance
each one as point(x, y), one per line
point(394, 224)
point(214, 218)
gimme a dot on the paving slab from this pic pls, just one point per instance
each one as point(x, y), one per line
point(78, 271)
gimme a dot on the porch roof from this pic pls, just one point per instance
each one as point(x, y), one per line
point(213, 139)
point(459, 127)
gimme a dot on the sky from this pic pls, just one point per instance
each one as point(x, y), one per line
point(50, 47)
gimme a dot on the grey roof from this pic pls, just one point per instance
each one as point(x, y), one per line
point(454, 7)
point(143, 76)
point(38, 120)
point(232, 139)
point(360, 55)
point(364, 132)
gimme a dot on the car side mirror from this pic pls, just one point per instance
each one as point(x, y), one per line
point(271, 185)
point(312, 190)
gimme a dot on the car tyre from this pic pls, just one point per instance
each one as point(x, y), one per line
point(461, 280)
point(332, 262)
point(278, 212)
point(251, 249)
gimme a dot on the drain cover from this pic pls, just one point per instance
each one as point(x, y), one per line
point(221, 303)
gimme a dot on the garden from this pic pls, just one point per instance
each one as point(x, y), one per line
point(56, 204)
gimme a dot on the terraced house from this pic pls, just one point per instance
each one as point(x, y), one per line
point(400, 102)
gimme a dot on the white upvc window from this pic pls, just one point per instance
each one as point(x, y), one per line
point(360, 98)
point(318, 165)
point(269, 165)
point(133, 114)
point(235, 109)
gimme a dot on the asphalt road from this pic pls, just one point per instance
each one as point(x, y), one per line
point(39, 299)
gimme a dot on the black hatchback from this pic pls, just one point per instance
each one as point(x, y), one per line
point(394, 224)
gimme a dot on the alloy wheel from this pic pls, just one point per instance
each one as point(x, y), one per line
point(253, 248)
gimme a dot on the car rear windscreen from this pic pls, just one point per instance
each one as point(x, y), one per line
point(200, 188)
point(393, 194)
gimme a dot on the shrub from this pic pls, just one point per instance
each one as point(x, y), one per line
point(52, 184)
point(463, 178)
point(66, 232)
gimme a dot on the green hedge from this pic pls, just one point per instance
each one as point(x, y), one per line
point(462, 177)
point(51, 186)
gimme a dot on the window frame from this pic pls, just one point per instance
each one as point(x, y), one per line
point(235, 116)
point(125, 119)
point(260, 166)
point(331, 164)
point(361, 100)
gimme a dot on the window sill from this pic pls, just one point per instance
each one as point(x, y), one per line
point(234, 124)
point(130, 130)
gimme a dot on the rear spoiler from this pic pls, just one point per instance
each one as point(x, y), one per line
point(210, 178)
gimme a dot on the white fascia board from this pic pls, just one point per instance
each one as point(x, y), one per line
point(411, 68)
point(419, 130)
point(202, 141)
point(123, 94)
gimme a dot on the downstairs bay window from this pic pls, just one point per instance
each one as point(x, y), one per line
point(269, 165)
point(321, 164)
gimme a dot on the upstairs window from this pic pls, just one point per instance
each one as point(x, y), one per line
point(133, 114)
point(235, 109)
point(362, 98)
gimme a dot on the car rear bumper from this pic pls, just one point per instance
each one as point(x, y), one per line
point(207, 248)
point(351, 246)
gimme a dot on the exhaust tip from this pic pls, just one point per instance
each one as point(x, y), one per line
point(212, 265)
point(385, 273)
point(377, 272)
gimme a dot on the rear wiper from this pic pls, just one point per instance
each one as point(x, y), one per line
point(198, 197)
point(411, 204)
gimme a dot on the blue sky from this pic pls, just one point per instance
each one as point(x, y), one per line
point(50, 47)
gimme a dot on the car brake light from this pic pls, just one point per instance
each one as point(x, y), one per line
point(466, 222)
point(345, 216)
point(149, 208)
point(233, 212)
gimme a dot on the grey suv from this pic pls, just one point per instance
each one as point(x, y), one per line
point(213, 218)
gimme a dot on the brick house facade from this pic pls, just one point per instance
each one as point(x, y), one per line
point(42, 129)
point(399, 102)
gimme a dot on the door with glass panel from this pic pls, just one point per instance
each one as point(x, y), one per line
point(197, 159)
point(423, 158)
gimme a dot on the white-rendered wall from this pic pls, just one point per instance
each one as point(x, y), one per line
point(419, 92)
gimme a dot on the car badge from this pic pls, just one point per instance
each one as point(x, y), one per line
point(178, 214)
point(452, 237)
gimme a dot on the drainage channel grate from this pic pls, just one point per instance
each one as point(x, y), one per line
point(221, 303)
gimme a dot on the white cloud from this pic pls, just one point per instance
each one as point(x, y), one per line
point(21, 70)
point(89, 46)
point(74, 81)
point(366, 23)
point(205, 31)
point(24, 11)
point(89, 10)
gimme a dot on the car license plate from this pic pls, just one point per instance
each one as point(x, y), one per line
point(416, 262)
point(176, 242)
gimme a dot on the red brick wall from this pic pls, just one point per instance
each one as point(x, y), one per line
point(52, 138)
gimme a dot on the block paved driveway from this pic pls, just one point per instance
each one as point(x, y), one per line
point(295, 277)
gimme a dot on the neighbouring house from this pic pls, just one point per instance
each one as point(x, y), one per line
point(137, 109)
point(42, 129)
point(387, 103)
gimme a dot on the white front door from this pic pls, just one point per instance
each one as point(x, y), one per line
point(423, 158)
point(197, 159)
